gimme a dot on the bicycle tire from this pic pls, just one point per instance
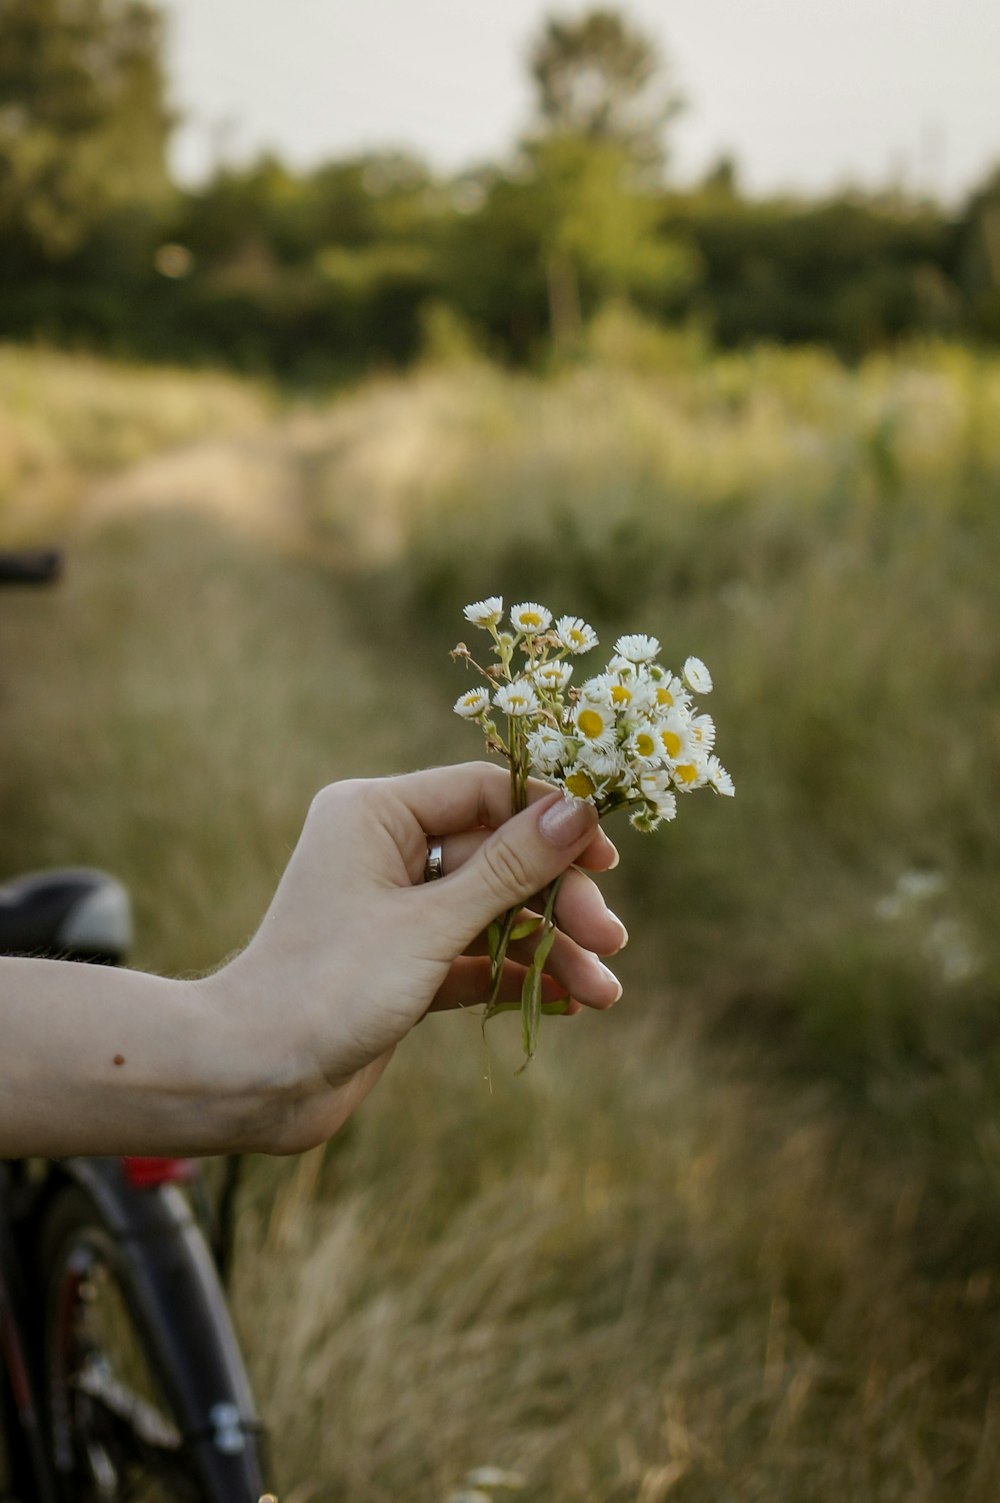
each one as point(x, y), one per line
point(134, 1322)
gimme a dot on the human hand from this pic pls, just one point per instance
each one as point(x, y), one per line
point(356, 948)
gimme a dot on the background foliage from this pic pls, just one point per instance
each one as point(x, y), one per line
point(325, 274)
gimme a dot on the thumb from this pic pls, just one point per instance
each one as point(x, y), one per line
point(524, 855)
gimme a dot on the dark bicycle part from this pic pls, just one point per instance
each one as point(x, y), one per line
point(27, 1475)
point(225, 1219)
point(76, 914)
point(142, 1373)
point(30, 566)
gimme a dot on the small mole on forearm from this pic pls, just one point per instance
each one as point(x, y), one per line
point(119, 1059)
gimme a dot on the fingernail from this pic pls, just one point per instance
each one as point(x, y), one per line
point(566, 821)
point(624, 938)
point(610, 846)
point(612, 977)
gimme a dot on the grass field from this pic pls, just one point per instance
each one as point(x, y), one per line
point(738, 1239)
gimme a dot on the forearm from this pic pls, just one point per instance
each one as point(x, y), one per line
point(100, 1061)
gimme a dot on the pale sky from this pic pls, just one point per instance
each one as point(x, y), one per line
point(808, 94)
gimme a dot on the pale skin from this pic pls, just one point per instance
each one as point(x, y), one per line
point(273, 1051)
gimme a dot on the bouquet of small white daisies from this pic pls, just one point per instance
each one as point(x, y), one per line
point(629, 737)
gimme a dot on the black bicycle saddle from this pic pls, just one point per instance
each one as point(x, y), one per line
point(77, 914)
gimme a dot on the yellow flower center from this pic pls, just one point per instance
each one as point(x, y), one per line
point(576, 637)
point(621, 695)
point(664, 697)
point(671, 742)
point(580, 785)
point(590, 724)
point(644, 744)
point(530, 618)
point(685, 773)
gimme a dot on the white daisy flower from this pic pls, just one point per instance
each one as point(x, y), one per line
point(674, 732)
point(690, 773)
point(597, 690)
point(654, 783)
point(518, 698)
point(666, 806)
point(575, 635)
point(485, 613)
point(582, 785)
point(644, 819)
point(670, 692)
point(594, 722)
point(644, 743)
point(719, 778)
point(638, 648)
point(473, 704)
point(546, 749)
point(553, 676)
point(643, 691)
point(602, 762)
point(530, 618)
point(703, 732)
point(622, 693)
point(654, 786)
point(697, 676)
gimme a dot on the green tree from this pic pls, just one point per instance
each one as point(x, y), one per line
point(600, 80)
point(978, 257)
point(599, 233)
point(83, 117)
point(604, 100)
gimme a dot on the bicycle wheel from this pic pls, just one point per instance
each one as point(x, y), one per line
point(120, 1422)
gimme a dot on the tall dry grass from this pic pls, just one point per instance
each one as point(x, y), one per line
point(738, 1239)
point(65, 419)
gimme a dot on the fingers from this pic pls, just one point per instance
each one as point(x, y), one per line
point(600, 855)
point(476, 795)
point(447, 799)
point(527, 853)
point(582, 913)
point(468, 984)
point(580, 907)
point(574, 966)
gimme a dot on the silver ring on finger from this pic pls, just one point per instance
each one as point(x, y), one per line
point(434, 865)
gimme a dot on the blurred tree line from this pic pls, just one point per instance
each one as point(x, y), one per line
point(324, 273)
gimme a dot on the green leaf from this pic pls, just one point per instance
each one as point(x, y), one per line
point(526, 926)
point(545, 944)
point(554, 1009)
point(531, 1011)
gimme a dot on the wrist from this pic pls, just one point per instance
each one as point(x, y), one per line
point(255, 1085)
point(272, 1094)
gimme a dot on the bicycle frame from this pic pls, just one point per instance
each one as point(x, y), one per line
point(169, 1277)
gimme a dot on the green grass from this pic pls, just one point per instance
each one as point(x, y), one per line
point(738, 1239)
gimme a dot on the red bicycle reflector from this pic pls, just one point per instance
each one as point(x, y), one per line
point(147, 1173)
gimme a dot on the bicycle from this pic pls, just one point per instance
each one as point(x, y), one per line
point(121, 1378)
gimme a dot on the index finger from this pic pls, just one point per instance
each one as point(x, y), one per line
point(477, 795)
